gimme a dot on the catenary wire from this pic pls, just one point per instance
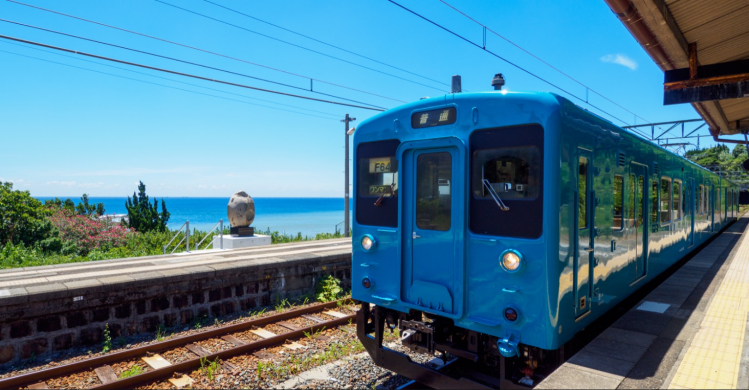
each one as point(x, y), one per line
point(300, 46)
point(170, 80)
point(324, 43)
point(509, 62)
point(186, 74)
point(185, 62)
point(539, 59)
point(162, 85)
point(207, 51)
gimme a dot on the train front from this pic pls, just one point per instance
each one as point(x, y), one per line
point(451, 237)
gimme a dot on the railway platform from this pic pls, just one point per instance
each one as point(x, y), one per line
point(688, 333)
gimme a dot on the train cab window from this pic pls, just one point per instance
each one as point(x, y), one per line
point(507, 168)
point(513, 173)
point(665, 200)
point(654, 202)
point(618, 202)
point(377, 183)
point(677, 214)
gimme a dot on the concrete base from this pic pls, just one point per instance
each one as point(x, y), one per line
point(232, 242)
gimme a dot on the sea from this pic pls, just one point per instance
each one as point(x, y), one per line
point(307, 216)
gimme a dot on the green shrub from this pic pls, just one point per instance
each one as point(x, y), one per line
point(328, 289)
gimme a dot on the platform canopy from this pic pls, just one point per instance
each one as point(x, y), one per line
point(703, 49)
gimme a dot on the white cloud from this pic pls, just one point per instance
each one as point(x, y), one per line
point(620, 59)
point(61, 183)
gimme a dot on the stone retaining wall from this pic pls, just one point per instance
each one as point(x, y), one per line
point(37, 324)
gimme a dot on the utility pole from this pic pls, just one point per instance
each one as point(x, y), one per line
point(346, 224)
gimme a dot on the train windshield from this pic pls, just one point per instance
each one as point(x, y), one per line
point(377, 183)
point(514, 173)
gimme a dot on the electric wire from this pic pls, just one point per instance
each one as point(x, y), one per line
point(299, 46)
point(539, 59)
point(186, 74)
point(206, 51)
point(183, 61)
point(162, 85)
point(324, 43)
point(171, 80)
point(509, 62)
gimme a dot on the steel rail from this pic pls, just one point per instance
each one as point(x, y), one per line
point(37, 376)
point(192, 364)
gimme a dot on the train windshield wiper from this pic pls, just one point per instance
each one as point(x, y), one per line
point(378, 202)
point(494, 195)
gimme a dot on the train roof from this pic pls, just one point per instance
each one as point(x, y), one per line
point(549, 100)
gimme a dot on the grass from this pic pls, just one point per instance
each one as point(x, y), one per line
point(209, 368)
point(137, 245)
point(133, 371)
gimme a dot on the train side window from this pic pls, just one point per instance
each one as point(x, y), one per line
point(684, 210)
point(701, 208)
point(654, 202)
point(618, 202)
point(665, 200)
point(582, 191)
point(677, 201)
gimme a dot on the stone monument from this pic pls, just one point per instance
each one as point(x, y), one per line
point(241, 213)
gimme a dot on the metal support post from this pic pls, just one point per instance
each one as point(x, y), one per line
point(346, 225)
point(221, 232)
point(187, 236)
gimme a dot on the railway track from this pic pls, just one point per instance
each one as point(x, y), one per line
point(159, 368)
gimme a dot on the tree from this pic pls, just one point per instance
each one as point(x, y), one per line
point(23, 219)
point(83, 208)
point(144, 217)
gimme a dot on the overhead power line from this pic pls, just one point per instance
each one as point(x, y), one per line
point(183, 61)
point(325, 43)
point(510, 63)
point(167, 79)
point(299, 46)
point(206, 51)
point(186, 74)
point(161, 85)
point(540, 60)
point(502, 58)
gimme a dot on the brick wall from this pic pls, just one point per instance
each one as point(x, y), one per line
point(37, 324)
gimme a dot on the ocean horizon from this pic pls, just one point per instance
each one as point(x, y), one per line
point(307, 216)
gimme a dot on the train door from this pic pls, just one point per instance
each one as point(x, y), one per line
point(638, 180)
point(692, 193)
point(584, 197)
point(432, 225)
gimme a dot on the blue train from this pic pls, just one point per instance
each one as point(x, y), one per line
point(492, 227)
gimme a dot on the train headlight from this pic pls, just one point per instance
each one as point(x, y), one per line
point(511, 260)
point(368, 243)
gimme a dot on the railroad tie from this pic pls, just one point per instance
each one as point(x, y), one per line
point(288, 325)
point(197, 349)
point(263, 333)
point(39, 385)
point(106, 374)
point(156, 361)
point(312, 318)
point(237, 342)
point(335, 314)
point(181, 380)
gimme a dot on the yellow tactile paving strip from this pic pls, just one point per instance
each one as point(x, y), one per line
point(712, 360)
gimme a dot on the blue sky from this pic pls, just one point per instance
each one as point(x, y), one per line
point(69, 126)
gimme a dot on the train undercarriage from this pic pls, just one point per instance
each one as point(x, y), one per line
point(471, 360)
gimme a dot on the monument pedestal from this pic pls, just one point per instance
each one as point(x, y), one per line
point(234, 242)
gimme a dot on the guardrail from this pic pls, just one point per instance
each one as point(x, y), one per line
point(220, 226)
point(186, 237)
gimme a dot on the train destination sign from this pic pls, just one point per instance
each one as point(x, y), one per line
point(382, 165)
point(431, 118)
